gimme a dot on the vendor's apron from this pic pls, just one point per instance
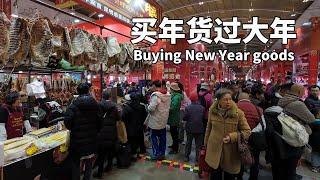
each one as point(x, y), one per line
point(14, 125)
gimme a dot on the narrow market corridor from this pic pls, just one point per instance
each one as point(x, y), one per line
point(146, 170)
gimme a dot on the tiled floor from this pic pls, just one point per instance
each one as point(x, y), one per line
point(146, 170)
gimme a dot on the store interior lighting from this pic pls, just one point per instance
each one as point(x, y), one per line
point(293, 15)
point(76, 20)
point(138, 3)
point(14, 15)
point(201, 3)
point(101, 15)
point(306, 24)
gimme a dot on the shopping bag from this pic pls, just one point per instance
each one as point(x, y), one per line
point(244, 151)
point(203, 166)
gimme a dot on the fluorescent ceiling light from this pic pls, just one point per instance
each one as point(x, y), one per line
point(201, 3)
point(14, 15)
point(101, 15)
point(306, 24)
point(250, 10)
point(76, 20)
point(73, 13)
point(293, 15)
point(138, 3)
point(305, 1)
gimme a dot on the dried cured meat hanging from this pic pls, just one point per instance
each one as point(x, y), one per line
point(20, 38)
point(4, 37)
point(41, 42)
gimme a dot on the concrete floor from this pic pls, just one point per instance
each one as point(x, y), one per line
point(147, 170)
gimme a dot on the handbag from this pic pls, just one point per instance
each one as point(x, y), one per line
point(257, 140)
point(122, 132)
point(244, 151)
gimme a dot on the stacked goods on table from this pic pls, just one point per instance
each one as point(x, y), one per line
point(41, 132)
point(16, 148)
point(55, 139)
point(32, 143)
point(47, 44)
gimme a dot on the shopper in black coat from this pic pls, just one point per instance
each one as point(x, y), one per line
point(134, 115)
point(107, 137)
point(282, 156)
point(83, 119)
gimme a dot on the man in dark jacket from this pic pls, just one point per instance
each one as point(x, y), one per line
point(83, 120)
point(194, 115)
point(284, 158)
point(107, 137)
point(313, 104)
point(313, 101)
point(134, 115)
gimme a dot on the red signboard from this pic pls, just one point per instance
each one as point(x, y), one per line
point(132, 8)
point(124, 10)
point(5, 6)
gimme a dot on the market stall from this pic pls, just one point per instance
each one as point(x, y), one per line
point(42, 52)
point(32, 154)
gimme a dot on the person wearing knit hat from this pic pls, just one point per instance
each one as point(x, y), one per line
point(194, 117)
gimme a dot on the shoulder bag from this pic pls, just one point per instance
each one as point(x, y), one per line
point(257, 140)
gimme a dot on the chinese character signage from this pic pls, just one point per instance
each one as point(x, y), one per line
point(200, 31)
point(201, 28)
point(125, 10)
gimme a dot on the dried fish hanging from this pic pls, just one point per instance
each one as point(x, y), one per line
point(113, 48)
point(19, 45)
point(61, 40)
point(100, 55)
point(80, 44)
point(41, 42)
point(4, 37)
point(20, 39)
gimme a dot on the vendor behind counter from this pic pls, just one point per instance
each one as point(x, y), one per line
point(12, 122)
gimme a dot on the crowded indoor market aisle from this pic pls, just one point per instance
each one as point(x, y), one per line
point(159, 89)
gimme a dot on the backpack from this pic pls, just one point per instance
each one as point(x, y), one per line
point(293, 132)
point(203, 100)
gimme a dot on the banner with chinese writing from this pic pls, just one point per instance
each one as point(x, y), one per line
point(124, 10)
point(132, 8)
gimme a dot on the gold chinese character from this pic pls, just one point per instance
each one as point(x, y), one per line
point(152, 11)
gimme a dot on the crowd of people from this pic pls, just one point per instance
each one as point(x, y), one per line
point(212, 116)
